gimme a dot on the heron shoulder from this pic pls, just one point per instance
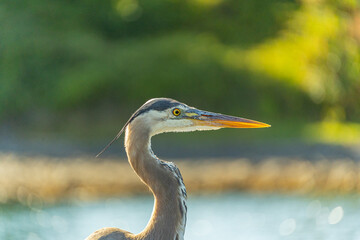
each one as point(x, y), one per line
point(111, 234)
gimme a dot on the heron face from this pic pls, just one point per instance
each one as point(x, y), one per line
point(179, 118)
point(182, 118)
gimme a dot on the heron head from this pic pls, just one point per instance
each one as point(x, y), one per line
point(167, 115)
point(159, 115)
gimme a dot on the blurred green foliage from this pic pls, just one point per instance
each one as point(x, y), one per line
point(279, 59)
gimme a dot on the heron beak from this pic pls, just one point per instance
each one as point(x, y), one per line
point(204, 118)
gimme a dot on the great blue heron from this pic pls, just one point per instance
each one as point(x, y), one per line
point(163, 178)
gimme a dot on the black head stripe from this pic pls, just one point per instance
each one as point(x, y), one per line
point(158, 104)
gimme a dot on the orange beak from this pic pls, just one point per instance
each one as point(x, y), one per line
point(223, 121)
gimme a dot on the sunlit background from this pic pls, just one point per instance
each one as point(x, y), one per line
point(72, 73)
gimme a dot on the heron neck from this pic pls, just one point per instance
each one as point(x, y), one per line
point(169, 214)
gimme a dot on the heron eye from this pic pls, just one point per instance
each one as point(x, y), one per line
point(176, 112)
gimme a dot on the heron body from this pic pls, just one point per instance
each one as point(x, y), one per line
point(159, 115)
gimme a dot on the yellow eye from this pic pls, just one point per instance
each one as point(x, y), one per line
point(176, 112)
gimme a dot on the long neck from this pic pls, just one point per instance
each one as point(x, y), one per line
point(168, 219)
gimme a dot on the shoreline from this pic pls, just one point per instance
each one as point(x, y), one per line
point(48, 179)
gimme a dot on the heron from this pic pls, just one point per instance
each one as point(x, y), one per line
point(160, 115)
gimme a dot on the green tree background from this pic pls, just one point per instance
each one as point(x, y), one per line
point(80, 64)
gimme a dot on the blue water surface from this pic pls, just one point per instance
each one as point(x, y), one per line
point(210, 217)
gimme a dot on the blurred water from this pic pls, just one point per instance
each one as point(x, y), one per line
point(210, 217)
